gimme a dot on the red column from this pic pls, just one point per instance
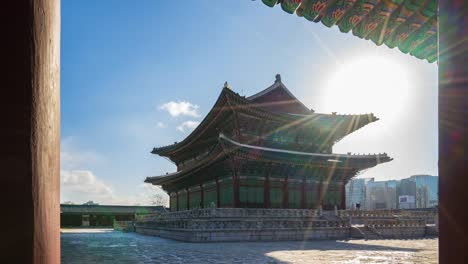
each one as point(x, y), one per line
point(266, 187)
point(30, 131)
point(303, 193)
point(320, 193)
point(188, 198)
point(202, 203)
point(177, 201)
point(285, 193)
point(236, 186)
point(343, 196)
point(218, 194)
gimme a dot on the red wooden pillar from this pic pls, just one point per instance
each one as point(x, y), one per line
point(188, 198)
point(177, 201)
point(236, 186)
point(236, 181)
point(343, 190)
point(30, 131)
point(303, 193)
point(218, 194)
point(453, 131)
point(343, 196)
point(320, 193)
point(202, 202)
point(266, 187)
point(285, 193)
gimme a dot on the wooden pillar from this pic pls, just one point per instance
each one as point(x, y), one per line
point(453, 131)
point(320, 193)
point(236, 186)
point(343, 190)
point(202, 202)
point(188, 198)
point(343, 196)
point(236, 181)
point(218, 194)
point(303, 192)
point(285, 193)
point(266, 187)
point(177, 201)
point(30, 131)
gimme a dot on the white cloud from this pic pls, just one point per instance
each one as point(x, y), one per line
point(161, 125)
point(180, 108)
point(71, 158)
point(187, 125)
point(80, 186)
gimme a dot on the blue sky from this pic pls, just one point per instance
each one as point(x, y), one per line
point(124, 62)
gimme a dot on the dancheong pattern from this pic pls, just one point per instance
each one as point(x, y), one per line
point(410, 25)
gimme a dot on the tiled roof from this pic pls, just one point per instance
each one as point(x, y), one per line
point(410, 25)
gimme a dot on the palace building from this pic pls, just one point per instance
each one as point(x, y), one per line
point(264, 151)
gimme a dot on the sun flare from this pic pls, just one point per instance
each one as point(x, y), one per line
point(367, 84)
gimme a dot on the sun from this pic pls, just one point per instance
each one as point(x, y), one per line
point(367, 84)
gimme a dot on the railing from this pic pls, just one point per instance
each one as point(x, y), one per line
point(391, 223)
point(227, 224)
point(429, 213)
point(239, 212)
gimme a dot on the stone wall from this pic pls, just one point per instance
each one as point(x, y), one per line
point(242, 224)
point(236, 224)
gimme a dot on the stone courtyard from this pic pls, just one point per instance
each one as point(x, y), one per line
point(108, 246)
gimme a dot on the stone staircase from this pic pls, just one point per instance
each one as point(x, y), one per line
point(370, 233)
point(365, 232)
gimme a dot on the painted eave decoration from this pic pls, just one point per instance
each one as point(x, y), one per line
point(410, 25)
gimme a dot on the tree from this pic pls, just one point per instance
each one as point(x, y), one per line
point(158, 199)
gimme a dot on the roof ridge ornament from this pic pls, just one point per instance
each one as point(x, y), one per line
point(226, 85)
point(277, 78)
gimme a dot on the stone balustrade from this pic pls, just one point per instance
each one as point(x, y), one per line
point(389, 223)
point(252, 224)
point(239, 212)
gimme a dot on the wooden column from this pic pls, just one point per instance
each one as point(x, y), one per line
point(236, 186)
point(343, 196)
point(30, 131)
point(303, 192)
point(218, 194)
point(202, 202)
point(453, 131)
point(343, 190)
point(266, 187)
point(177, 201)
point(286, 193)
point(236, 181)
point(188, 198)
point(320, 193)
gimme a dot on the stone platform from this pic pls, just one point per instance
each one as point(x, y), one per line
point(245, 224)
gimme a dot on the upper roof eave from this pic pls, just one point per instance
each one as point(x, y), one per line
point(237, 103)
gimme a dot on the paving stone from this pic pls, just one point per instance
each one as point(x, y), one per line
point(118, 247)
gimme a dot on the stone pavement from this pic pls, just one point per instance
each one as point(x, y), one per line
point(106, 246)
